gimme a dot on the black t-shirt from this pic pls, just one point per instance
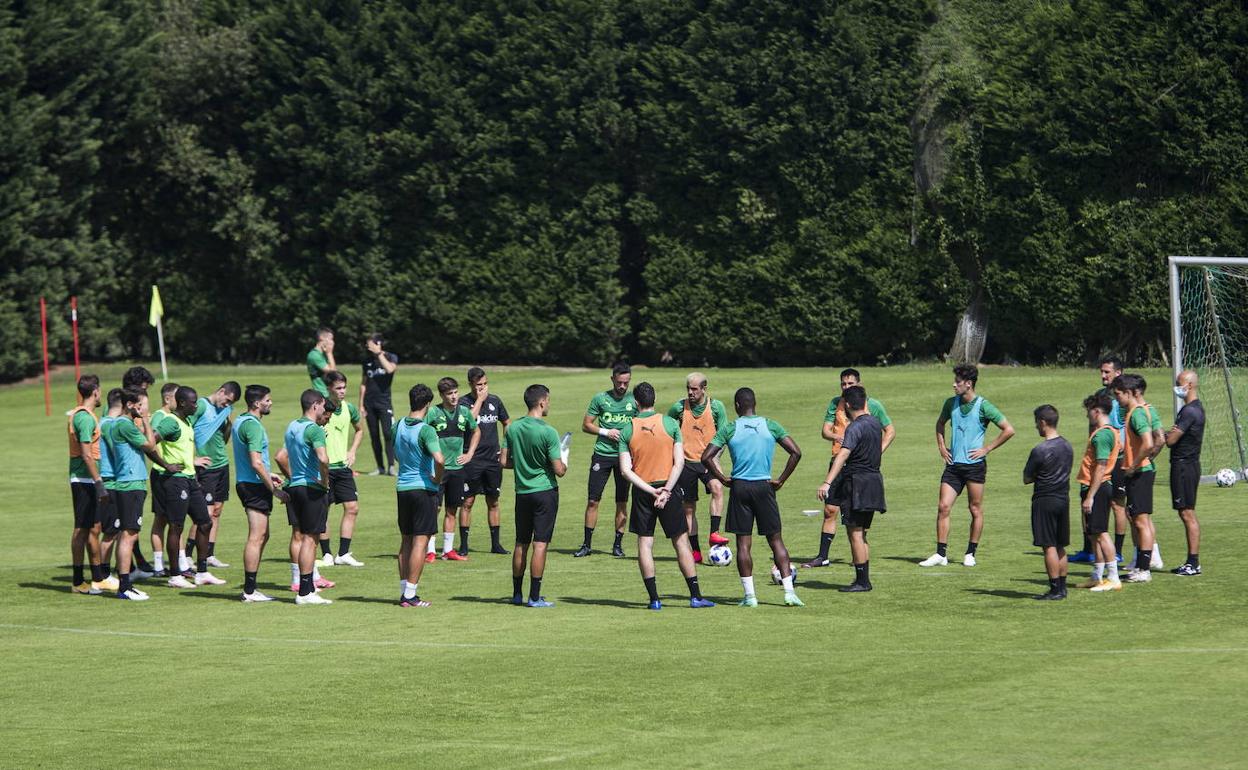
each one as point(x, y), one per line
point(862, 438)
point(492, 412)
point(1191, 421)
point(1049, 466)
point(377, 382)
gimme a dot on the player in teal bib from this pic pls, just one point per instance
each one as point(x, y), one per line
point(305, 462)
point(608, 413)
point(420, 465)
point(211, 422)
point(965, 459)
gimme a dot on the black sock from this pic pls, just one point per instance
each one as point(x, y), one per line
point(619, 540)
point(825, 543)
point(190, 547)
point(494, 538)
point(970, 547)
point(1118, 541)
point(325, 547)
point(463, 540)
point(344, 546)
point(97, 572)
point(1143, 558)
point(517, 586)
point(78, 571)
point(1087, 543)
point(1061, 584)
point(652, 588)
point(715, 523)
point(1053, 585)
point(862, 573)
point(140, 560)
point(201, 565)
point(535, 589)
point(305, 584)
point(249, 582)
point(1193, 559)
point(589, 536)
point(695, 590)
point(124, 582)
point(942, 549)
point(212, 548)
point(693, 542)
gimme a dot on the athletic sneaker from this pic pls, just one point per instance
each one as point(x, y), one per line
point(348, 560)
point(855, 588)
point(1120, 558)
point(85, 588)
point(697, 557)
point(582, 551)
point(431, 557)
point(968, 560)
point(110, 583)
point(312, 598)
point(518, 600)
point(178, 581)
point(791, 600)
point(718, 539)
point(1051, 596)
point(378, 472)
point(325, 561)
point(700, 603)
point(208, 579)
point(817, 562)
point(415, 601)
point(749, 601)
point(499, 550)
point(213, 561)
point(655, 605)
point(1140, 576)
point(256, 596)
point(134, 595)
point(160, 573)
point(935, 560)
point(141, 574)
point(1186, 569)
point(1107, 585)
point(1081, 556)
point(540, 602)
point(453, 555)
point(321, 582)
point(617, 552)
point(1090, 583)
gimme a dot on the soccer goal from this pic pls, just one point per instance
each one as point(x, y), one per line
point(1209, 327)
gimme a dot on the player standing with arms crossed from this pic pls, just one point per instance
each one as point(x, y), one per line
point(608, 412)
point(1184, 440)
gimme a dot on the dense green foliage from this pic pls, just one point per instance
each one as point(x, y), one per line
point(733, 181)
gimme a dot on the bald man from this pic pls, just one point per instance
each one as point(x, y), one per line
point(700, 417)
point(1184, 440)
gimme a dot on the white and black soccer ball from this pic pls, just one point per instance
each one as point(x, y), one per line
point(1226, 478)
point(777, 578)
point(720, 555)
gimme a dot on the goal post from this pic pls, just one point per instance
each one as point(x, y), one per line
point(1209, 335)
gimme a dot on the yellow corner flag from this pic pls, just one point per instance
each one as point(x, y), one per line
point(158, 309)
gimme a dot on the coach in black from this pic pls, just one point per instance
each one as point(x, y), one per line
point(1048, 468)
point(484, 472)
point(1184, 440)
point(375, 403)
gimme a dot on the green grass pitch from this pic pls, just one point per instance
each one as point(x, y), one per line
point(948, 667)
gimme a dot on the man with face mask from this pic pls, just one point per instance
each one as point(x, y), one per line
point(1184, 440)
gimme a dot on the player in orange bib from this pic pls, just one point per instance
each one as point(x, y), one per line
point(699, 417)
point(86, 487)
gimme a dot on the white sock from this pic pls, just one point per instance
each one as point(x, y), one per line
point(184, 563)
point(1112, 568)
point(410, 591)
point(1098, 570)
point(316, 573)
point(432, 547)
point(747, 583)
point(294, 572)
point(787, 582)
point(159, 560)
point(448, 541)
point(402, 588)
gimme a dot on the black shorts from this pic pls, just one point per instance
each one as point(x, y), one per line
point(958, 475)
point(1118, 478)
point(129, 506)
point(418, 512)
point(453, 488)
point(215, 482)
point(641, 518)
point(106, 515)
point(254, 496)
point(690, 476)
point(156, 482)
point(1140, 493)
point(535, 516)
point(857, 518)
point(601, 467)
point(183, 496)
point(342, 486)
point(1097, 521)
point(308, 509)
point(484, 477)
point(751, 502)
point(1050, 522)
point(1184, 479)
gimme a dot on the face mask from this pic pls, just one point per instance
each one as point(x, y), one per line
point(1180, 391)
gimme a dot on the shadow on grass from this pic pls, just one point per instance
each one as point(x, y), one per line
point(1032, 581)
point(1004, 593)
point(603, 602)
point(47, 587)
point(232, 597)
point(819, 584)
point(482, 599)
point(365, 600)
point(390, 556)
point(907, 559)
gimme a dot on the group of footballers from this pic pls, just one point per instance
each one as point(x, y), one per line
point(444, 454)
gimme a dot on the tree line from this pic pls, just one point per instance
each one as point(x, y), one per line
point(725, 182)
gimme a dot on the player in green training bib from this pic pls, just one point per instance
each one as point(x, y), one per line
point(343, 435)
point(608, 412)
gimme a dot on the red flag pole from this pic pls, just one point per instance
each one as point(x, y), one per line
point(47, 386)
point(73, 317)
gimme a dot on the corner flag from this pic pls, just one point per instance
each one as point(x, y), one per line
point(154, 318)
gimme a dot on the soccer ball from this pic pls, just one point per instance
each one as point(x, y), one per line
point(777, 578)
point(1226, 478)
point(721, 555)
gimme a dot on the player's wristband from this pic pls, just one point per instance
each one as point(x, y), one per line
point(603, 432)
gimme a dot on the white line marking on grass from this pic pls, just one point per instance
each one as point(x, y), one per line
point(573, 648)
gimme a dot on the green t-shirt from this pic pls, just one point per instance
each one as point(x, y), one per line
point(317, 364)
point(1102, 447)
point(987, 412)
point(718, 413)
point(338, 433)
point(874, 407)
point(214, 447)
point(1141, 423)
point(670, 427)
point(452, 427)
point(252, 434)
point(120, 430)
point(533, 446)
point(84, 430)
point(613, 414)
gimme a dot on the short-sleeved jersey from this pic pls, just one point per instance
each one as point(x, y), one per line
point(1049, 466)
point(1104, 445)
point(453, 427)
point(338, 433)
point(1191, 421)
point(317, 364)
point(863, 438)
point(650, 439)
point(415, 444)
point(177, 445)
point(697, 426)
point(613, 414)
point(377, 382)
point(84, 430)
point(492, 412)
point(250, 436)
point(533, 446)
point(840, 420)
point(1139, 422)
point(987, 411)
point(211, 425)
point(751, 442)
point(124, 442)
point(301, 440)
point(106, 456)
